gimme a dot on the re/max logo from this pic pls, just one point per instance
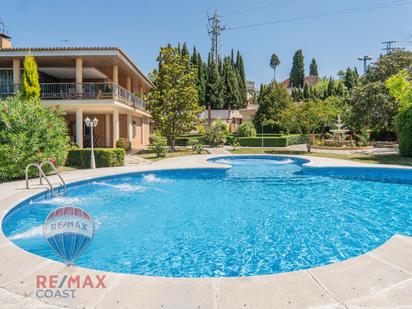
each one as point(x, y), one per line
point(66, 286)
point(68, 225)
point(78, 282)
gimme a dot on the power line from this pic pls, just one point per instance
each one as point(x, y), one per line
point(388, 46)
point(215, 31)
point(333, 13)
point(3, 28)
point(259, 8)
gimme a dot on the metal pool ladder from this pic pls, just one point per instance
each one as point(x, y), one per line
point(43, 175)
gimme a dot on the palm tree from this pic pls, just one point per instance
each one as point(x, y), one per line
point(274, 62)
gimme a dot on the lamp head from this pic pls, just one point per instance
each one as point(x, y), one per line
point(87, 121)
point(95, 121)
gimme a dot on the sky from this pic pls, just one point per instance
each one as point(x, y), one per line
point(333, 32)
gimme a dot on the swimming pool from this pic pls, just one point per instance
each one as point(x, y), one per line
point(264, 215)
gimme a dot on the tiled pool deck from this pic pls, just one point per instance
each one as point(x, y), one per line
point(381, 278)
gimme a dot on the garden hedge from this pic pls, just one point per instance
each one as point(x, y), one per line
point(404, 128)
point(104, 157)
point(269, 141)
point(186, 140)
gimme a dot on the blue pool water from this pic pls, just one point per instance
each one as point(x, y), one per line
point(264, 215)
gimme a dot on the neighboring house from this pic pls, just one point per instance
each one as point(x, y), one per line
point(249, 112)
point(310, 80)
point(231, 117)
point(99, 82)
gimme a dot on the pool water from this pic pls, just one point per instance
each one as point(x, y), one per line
point(264, 215)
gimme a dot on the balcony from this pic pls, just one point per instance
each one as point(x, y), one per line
point(83, 91)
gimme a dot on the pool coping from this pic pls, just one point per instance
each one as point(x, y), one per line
point(379, 278)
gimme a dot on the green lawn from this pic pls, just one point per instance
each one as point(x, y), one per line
point(364, 158)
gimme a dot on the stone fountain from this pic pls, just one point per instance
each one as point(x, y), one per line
point(339, 134)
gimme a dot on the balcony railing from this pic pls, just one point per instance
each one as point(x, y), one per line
point(72, 91)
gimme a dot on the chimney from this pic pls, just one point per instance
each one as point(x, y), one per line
point(5, 41)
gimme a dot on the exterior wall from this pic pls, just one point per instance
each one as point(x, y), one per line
point(123, 125)
point(140, 129)
point(98, 131)
point(137, 133)
point(146, 131)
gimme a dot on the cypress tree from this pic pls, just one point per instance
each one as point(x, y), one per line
point(297, 74)
point(213, 86)
point(185, 51)
point(30, 88)
point(231, 85)
point(313, 69)
point(242, 80)
point(306, 94)
point(331, 88)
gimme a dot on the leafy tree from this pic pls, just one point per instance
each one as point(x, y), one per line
point(388, 65)
point(30, 88)
point(29, 132)
point(308, 117)
point(214, 95)
point(372, 107)
point(274, 62)
point(313, 69)
point(158, 144)
point(217, 134)
point(400, 88)
point(273, 98)
point(174, 102)
point(297, 74)
point(350, 78)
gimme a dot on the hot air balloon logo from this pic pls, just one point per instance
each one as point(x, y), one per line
point(69, 231)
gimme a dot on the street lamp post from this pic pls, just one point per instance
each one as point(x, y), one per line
point(91, 124)
point(365, 59)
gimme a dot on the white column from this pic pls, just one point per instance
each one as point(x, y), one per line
point(129, 127)
point(79, 76)
point(107, 129)
point(116, 130)
point(79, 127)
point(16, 73)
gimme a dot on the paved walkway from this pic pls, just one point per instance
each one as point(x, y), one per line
point(217, 151)
point(372, 151)
point(381, 278)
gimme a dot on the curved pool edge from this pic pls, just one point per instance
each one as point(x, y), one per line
point(379, 277)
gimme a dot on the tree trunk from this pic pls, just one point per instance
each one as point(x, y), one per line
point(209, 115)
point(172, 144)
point(309, 142)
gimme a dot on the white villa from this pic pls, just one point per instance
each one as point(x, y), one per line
point(101, 82)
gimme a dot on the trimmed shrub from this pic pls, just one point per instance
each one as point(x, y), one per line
point(233, 141)
point(29, 132)
point(158, 144)
point(123, 143)
point(218, 132)
point(187, 141)
point(361, 138)
point(404, 129)
point(283, 141)
point(104, 157)
point(246, 129)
